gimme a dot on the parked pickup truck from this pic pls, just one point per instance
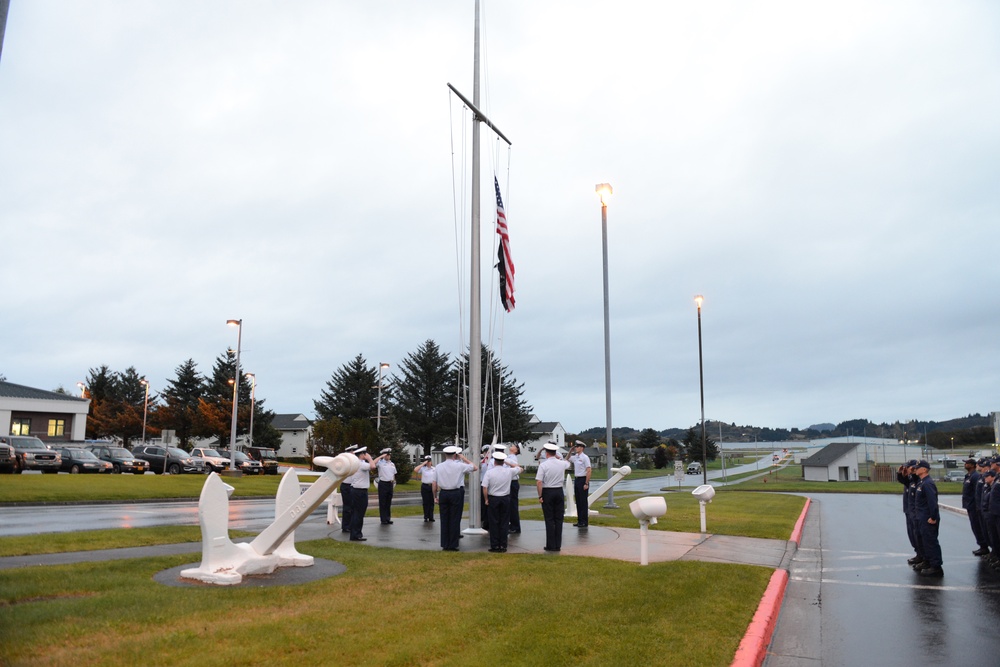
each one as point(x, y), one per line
point(266, 457)
point(30, 453)
point(6, 458)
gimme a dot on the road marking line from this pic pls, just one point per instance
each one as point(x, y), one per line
point(965, 589)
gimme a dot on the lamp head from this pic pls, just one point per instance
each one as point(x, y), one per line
point(234, 323)
point(698, 299)
point(604, 191)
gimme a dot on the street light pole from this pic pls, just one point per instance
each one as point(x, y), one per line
point(701, 383)
point(145, 406)
point(378, 419)
point(236, 393)
point(253, 402)
point(604, 191)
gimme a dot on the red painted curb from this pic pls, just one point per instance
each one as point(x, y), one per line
point(753, 648)
point(797, 531)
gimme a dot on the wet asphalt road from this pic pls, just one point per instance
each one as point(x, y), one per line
point(252, 514)
point(852, 600)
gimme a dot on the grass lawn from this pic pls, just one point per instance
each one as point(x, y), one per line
point(789, 479)
point(770, 516)
point(391, 607)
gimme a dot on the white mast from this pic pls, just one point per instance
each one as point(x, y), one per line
point(475, 423)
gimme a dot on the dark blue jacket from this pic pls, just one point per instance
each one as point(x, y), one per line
point(969, 490)
point(925, 502)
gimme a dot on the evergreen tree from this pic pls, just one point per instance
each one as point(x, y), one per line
point(648, 438)
point(504, 407)
point(693, 446)
point(421, 403)
point(351, 393)
point(180, 409)
point(660, 458)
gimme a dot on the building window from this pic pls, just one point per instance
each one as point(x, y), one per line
point(20, 426)
point(57, 427)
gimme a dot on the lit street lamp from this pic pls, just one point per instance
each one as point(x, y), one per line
point(236, 391)
point(253, 402)
point(145, 406)
point(604, 192)
point(701, 383)
point(83, 389)
point(378, 419)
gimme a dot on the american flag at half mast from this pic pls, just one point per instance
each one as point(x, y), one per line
point(505, 266)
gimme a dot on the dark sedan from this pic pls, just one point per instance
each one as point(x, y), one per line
point(121, 459)
point(77, 460)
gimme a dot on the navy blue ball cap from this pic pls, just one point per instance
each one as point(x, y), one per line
point(923, 464)
point(912, 463)
point(990, 473)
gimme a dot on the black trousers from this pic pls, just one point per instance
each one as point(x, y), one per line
point(451, 502)
point(427, 496)
point(976, 523)
point(929, 542)
point(499, 511)
point(385, 501)
point(554, 510)
point(913, 532)
point(359, 506)
point(515, 514)
point(345, 515)
point(582, 509)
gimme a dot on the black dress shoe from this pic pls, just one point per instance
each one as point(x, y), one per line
point(935, 571)
point(914, 560)
point(359, 539)
point(495, 551)
point(513, 532)
point(576, 525)
point(547, 549)
point(981, 551)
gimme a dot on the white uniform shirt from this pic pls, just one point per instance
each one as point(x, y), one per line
point(580, 464)
point(451, 473)
point(360, 479)
point(428, 475)
point(512, 463)
point(386, 470)
point(496, 481)
point(551, 472)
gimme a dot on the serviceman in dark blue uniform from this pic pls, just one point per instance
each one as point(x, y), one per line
point(906, 477)
point(928, 516)
point(988, 476)
point(345, 498)
point(969, 486)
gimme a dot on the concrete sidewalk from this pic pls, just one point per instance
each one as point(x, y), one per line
point(413, 533)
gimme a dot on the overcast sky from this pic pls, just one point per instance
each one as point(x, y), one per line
point(826, 174)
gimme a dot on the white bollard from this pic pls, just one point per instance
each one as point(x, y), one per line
point(704, 494)
point(646, 510)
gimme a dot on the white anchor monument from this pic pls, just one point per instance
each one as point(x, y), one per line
point(225, 562)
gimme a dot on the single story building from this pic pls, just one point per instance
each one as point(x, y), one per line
point(48, 415)
point(837, 462)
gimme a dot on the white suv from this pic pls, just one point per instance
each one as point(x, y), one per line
point(214, 461)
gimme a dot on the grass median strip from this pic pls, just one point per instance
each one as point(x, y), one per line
point(391, 607)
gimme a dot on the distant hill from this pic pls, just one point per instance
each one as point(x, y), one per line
point(822, 428)
point(975, 427)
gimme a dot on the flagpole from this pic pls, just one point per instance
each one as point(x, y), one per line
point(475, 307)
point(475, 423)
